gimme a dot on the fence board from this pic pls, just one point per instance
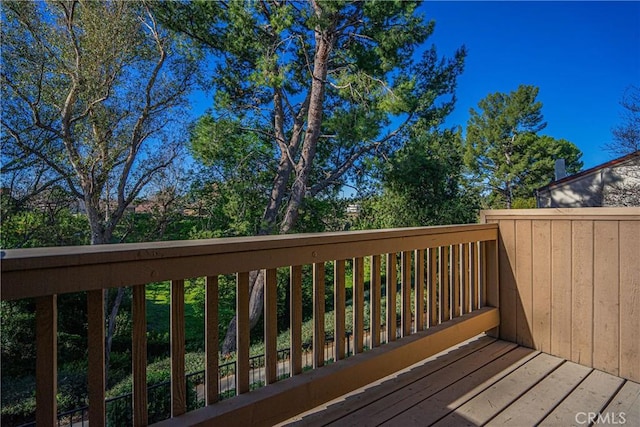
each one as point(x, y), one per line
point(445, 299)
point(524, 274)
point(561, 288)
point(508, 289)
point(629, 300)
point(542, 285)
point(582, 293)
point(455, 280)
point(606, 324)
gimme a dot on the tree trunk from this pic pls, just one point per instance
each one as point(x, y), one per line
point(324, 44)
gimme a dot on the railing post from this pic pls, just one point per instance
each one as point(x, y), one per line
point(242, 333)
point(374, 301)
point(358, 305)
point(339, 308)
point(391, 296)
point(46, 360)
point(270, 325)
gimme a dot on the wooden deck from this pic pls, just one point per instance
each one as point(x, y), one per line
point(486, 382)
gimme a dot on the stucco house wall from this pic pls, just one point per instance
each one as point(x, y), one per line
point(615, 183)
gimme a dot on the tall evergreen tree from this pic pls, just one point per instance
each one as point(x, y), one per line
point(326, 84)
point(504, 151)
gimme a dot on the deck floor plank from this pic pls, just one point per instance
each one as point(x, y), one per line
point(627, 402)
point(448, 399)
point(484, 382)
point(343, 406)
point(541, 399)
point(590, 396)
point(496, 398)
point(407, 397)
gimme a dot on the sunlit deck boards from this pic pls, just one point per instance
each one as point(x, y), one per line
point(485, 382)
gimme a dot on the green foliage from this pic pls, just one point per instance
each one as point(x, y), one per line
point(504, 151)
point(423, 185)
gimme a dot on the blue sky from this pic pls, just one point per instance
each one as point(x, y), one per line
point(582, 56)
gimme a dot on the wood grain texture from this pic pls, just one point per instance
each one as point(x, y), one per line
point(561, 288)
point(178, 379)
point(242, 333)
point(582, 293)
point(339, 308)
point(38, 272)
point(541, 294)
point(96, 357)
point(46, 360)
point(211, 339)
point(606, 303)
point(524, 283)
point(139, 355)
point(466, 274)
point(266, 407)
point(318, 314)
point(508, 287)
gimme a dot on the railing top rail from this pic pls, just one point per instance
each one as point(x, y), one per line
point(45, 271)
point(592, 214)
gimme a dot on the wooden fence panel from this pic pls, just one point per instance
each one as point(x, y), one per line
point(579, 272)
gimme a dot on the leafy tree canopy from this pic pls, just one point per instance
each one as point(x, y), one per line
point(503, 149)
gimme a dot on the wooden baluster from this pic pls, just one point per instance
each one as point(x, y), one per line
point(271, 325)
point(242, 333)
point(139, 356)
point(318, 314)
point(211, 340)
point(445, 302)
point(419, 288)
point(433, 287)
point(391, 296)
point(475, 291)
point(46, 360)
point(95, 374)
point(358, 305)
point(466, 308)
point(339, 308)
point(374, 301)
point(296, 320)
point(178, 379)
point(455, 279)
point(406, 294)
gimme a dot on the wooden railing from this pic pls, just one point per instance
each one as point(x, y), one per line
point(570, 284)
point(446, 277)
